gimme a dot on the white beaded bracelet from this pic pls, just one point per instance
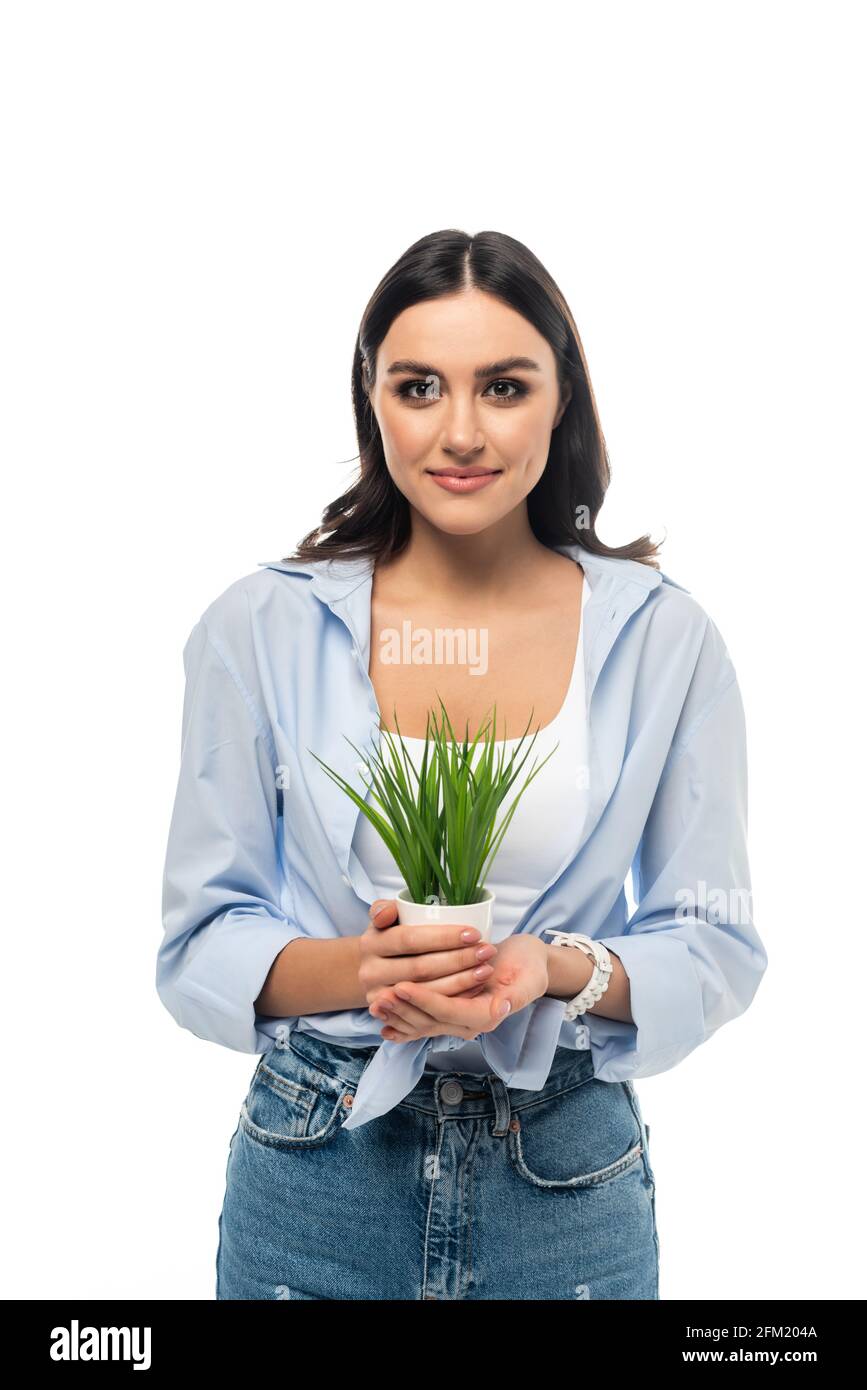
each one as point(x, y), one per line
point(598, 982)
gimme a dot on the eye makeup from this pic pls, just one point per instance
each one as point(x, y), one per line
point(519, 391)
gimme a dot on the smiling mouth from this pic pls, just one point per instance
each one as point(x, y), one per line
point(462, 472)
point(457, 482)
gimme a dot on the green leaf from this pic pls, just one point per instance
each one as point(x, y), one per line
point(439, 820)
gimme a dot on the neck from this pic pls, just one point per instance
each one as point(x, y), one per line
point(488, 564)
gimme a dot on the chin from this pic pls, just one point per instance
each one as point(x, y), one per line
point(466, 526)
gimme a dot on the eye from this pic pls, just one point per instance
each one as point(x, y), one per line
point(428, 387)
point(517, 387)
point(428, 391)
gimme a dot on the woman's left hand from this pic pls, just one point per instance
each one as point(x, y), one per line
point(520, 975)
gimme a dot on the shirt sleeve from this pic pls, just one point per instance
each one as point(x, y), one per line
point(223, 914)
point(690, 949)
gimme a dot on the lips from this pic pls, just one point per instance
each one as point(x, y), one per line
point(464, 480)
point(473, 472)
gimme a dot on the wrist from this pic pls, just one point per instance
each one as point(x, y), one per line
point(568, 971)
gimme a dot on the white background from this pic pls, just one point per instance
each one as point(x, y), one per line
point(199, 200)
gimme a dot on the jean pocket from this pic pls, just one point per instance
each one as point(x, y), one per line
point(292, 1103)
point(582, 1137)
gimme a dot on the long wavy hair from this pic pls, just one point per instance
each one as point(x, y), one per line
point(372, 518)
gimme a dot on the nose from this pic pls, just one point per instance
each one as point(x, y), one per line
point(461, 436)
point(460, 451)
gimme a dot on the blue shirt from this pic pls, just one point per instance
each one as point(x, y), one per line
point(260, 842)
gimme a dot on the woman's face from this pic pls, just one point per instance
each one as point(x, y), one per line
point(465, 383)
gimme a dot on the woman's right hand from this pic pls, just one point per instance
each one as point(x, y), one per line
point(435, 954)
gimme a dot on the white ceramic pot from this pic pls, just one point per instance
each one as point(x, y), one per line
point(478, 915)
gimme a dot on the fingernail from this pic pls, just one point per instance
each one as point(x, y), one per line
point(471, 935)
point(504, 1007)
point(482, 970)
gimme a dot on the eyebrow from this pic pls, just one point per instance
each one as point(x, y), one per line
point(508, 364)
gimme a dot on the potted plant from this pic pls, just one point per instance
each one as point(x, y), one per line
point(439, 821)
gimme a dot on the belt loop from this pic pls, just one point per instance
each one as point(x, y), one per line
point(502, 1109)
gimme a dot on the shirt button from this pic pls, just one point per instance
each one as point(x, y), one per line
point(354, 653)
point(347, 880)
point(452, 1092)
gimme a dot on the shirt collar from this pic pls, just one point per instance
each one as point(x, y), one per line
point(333, 579)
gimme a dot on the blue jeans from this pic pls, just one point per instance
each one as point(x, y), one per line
point(466, 1189)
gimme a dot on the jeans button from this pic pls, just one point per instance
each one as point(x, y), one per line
point(452, 1092)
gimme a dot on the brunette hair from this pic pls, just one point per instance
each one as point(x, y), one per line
point(372, 518)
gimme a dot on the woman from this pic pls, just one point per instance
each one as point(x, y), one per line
point(431, 1118)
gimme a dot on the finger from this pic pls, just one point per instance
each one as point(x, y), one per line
point(463, 980)
point(383, 912)
point(410, 939)
point(385, 1005)
point(446, 965)
point(408, 1017)
point(398, 1029)
point(403, 1032)
point(456, 1010)
point(400, 1032)
point(467, 983)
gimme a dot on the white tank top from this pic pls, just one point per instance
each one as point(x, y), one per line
point(547, 823)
